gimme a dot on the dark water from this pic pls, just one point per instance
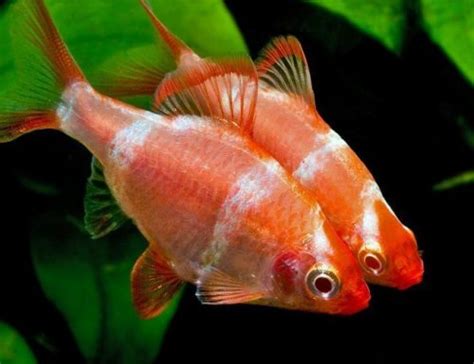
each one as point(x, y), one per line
point(400, 114)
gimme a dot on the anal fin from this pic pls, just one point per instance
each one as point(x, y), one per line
point(154, 283)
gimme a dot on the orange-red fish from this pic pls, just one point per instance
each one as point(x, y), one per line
point(288, 126)
point(217, 210)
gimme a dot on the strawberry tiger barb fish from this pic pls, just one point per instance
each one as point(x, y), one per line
point(216, 209)
point(288, 126)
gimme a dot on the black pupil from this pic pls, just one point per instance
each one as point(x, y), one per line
point(323, 284)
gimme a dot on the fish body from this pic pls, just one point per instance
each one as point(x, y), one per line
point(288, 126)
point(218, 211)
point(204, 196)
point(348, 193)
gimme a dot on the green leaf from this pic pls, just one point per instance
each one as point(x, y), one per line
point(459, 180)
point(13, 348)
point(95, 30)
point(89, 282)
point(450, 24)
point(384, 20)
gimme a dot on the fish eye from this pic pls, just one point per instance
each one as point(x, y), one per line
point(322, 283)
point(373, 262)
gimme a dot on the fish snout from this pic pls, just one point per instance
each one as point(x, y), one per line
point(410, 275)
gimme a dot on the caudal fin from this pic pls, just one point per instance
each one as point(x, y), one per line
point(45, 69)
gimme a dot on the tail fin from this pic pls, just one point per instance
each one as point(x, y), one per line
point(177, 47)
point(46, 69)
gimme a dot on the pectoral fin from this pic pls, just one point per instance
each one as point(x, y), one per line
point(154, 283)
point(218, 288)
point(103, 214)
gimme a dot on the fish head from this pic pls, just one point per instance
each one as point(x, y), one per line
point(389, 254)
point(312, 280)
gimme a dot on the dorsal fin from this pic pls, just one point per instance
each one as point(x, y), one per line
point(177, 47)
point(103, 214)
point(223, 89)
point(146, 67)
point(282, 65)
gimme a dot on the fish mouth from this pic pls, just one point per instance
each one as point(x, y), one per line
point(411, 279)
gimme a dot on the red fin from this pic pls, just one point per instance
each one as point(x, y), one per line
point(218, 288)
point(46, 69)
point(177, 47)
point(42, 34)
point(224, 89)
point(153, 284)
point(282, 65)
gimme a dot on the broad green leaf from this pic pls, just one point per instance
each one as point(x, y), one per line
point(384, 20)
point(7, 73)
point(13, 348)
point(94, 30)
point(459, 180)
point(451, 25)
point(89, 282)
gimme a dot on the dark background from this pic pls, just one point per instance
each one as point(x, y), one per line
point(401, 114)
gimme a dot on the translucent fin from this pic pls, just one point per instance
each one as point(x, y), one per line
point(103, 214)
point(218, 288)
point(140, 76)
point(139, 71)
point(46, 68)
point(154, 283)
point(282, 65)
point(223, 89)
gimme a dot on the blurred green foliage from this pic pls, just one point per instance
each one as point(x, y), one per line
point(96, 30)
point(450, 24)
point(13, 348)
point(459, 180)
point(37, 186)
point(467, 130)
point(89, 282)
point(466, 177)
point(385, 20)
point(447, 23)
